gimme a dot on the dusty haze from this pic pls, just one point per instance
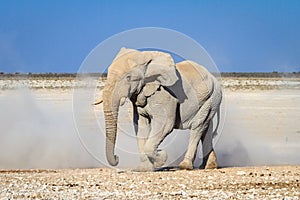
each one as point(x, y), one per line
point(38, 130)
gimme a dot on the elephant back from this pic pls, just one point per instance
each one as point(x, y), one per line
point(198, 77)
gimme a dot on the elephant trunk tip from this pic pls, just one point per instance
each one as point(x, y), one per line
point(114, 161)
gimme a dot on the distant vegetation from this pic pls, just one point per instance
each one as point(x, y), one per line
point(49, 75)
point(262, 74)
point(104, 75)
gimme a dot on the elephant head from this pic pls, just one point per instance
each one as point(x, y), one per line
point(128, 73)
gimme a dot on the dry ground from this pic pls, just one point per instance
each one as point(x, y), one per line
point(281, 182)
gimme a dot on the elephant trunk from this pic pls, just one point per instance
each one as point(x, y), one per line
point(111, 108)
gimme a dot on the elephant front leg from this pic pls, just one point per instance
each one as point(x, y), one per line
point(157, 134)
point(143, 131)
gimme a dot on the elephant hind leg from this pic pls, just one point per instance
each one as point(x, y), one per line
point(211, 162)
point(187, 162)
point(201, 124)
point(209, 156)
point(189, 157)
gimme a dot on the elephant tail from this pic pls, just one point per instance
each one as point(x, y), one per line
point(98, 101)
point(215, 132)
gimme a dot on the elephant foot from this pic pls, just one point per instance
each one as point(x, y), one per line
point(186, 164)
point(211, 161)
point(160, 159)
point(145, 166)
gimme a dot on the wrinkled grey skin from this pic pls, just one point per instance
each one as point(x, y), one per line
point(164, 97)
point(160, 109)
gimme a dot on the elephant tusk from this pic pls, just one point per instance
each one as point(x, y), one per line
point(122, 101)
point(98, 101)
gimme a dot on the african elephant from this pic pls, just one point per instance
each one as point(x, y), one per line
point(165, 96)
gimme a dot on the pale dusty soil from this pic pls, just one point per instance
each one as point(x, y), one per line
point(280, 182)
point(232, 83)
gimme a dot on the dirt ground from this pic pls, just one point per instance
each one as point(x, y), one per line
point(281, 182)
point(260, 127)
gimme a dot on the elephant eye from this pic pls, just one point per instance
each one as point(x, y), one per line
point(128, 77)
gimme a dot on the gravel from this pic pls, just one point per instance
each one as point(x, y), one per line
point(48, 84)
point(276, 182)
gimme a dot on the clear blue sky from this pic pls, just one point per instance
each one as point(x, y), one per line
point(55, 36)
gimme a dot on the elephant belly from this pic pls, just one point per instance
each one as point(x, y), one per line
point(186, 113)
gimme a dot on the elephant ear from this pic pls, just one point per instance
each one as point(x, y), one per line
point(160, 67)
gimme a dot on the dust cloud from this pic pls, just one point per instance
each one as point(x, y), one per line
point(38, 134)
point(261, 128)
point(51, 129)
